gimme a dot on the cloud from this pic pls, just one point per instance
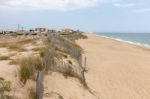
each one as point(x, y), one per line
point(60, 5)
point(142, 10)
point(119, 5)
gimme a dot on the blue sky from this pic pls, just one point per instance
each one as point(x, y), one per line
point(87, 15)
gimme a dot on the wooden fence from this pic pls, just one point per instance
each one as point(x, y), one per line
point(61, 66)
point(39, 85)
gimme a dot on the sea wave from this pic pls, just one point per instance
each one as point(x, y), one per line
point(125, 41)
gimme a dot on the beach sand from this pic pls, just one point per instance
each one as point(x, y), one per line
point(116, 70)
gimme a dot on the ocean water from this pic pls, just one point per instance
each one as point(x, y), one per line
point(142, 39)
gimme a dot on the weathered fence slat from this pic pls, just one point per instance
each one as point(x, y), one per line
point(39, 85)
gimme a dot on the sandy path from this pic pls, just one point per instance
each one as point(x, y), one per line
point(117, 70)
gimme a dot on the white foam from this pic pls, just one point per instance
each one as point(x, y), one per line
point(125, 41)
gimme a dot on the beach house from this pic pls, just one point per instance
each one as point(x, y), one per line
point(67, 30)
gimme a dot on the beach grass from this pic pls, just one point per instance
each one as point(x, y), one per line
point(14, 62)
point(16, 47)
point(28, 67)
point(26, 41)
point(42, 50)
point(32, 93)
point(4, 57)
point(6, 85)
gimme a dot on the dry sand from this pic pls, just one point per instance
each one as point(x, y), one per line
point(10, 72)
point(117, 70)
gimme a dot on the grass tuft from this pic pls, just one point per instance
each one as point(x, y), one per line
point(32, 93)
point(16, 47)
point(28, 67)
point(4, 58)
point(44, 50)
point(1, 78)
point(6, 85)
point(14, 62)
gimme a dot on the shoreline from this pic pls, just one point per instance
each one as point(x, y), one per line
point(123, 41)
point(116, 70)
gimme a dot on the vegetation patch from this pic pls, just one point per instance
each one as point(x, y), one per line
point(28, 67)
point(6, 85)
point(27, 41)
point(32, 93)
point(1, 78)
point(12, 54)
point(14, 62)
point(2, 45)
point(4, 58)
point(42, 50)
point(16, 47)
point(45, 49)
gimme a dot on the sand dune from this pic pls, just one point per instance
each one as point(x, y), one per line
point(117, 70)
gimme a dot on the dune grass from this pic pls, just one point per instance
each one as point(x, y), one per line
point(3, 45)
point(4, 57)
point(45, 49)
point(28, 67)
point(75, 36)
point(6, 85)
point(16, 47)
point(12, 46)
point(1, 78)
point(65, 45)
point(14, 62)
point(27, 41)
point(32, 93)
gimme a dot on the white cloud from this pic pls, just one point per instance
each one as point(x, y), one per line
point(142, 10)
point(124, 5)
point(62, 5)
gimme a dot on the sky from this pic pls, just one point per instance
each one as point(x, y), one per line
point(87, 15)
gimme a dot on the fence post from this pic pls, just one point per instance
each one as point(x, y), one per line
point(80, 60)
point(85, 62)
point(39, 85)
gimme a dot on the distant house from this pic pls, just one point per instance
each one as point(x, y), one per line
point(51, 31)
point(40, 30)
point(67, 30)
point(44, 30)
point(32, 30)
